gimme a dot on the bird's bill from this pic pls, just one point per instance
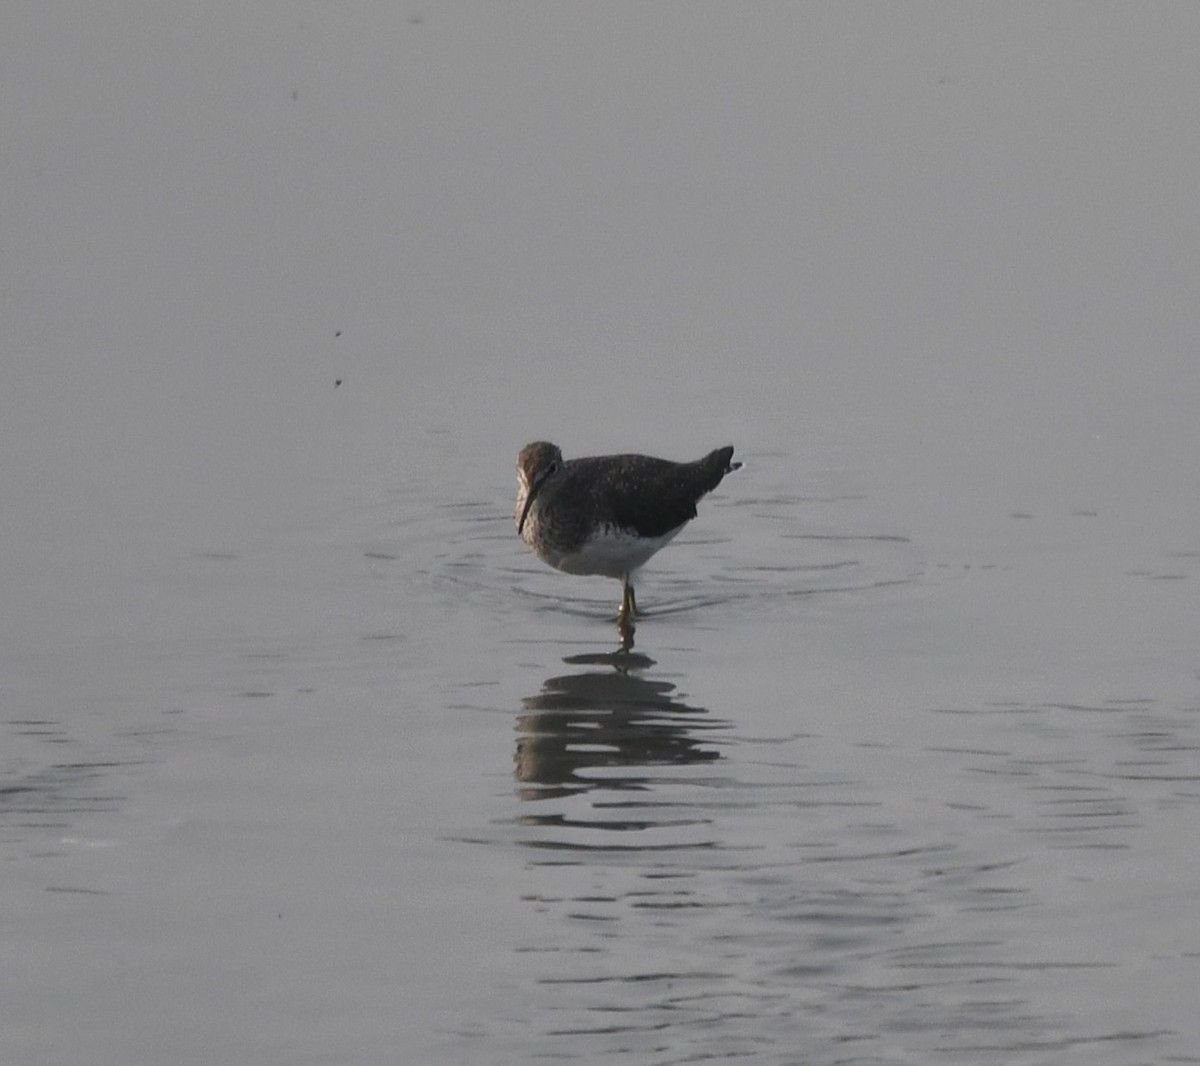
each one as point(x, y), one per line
point(525, 509)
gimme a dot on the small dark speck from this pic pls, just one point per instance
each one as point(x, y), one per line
point(295, 94)
point(1020, 514)
point(337, 332)
point(337, 383)
point(415, 20)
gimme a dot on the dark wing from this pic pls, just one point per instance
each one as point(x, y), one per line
point(652, 496)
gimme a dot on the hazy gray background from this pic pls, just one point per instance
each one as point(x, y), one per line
point(265, 642)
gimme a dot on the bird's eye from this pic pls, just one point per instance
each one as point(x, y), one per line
point(552, 468)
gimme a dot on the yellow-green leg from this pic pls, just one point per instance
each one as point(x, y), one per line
point(626, 616)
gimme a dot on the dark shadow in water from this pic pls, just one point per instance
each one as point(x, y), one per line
point(600, 729)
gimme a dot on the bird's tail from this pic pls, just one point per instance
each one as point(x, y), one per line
point(727, 459)
point(717, 464)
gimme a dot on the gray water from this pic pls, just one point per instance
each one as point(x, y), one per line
point(304, 758)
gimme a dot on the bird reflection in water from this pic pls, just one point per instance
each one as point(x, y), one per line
point(600, 730)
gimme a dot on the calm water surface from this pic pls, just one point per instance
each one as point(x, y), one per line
point(305, 759)
point(821, 813)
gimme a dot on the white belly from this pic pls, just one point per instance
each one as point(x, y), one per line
point(613, 553)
